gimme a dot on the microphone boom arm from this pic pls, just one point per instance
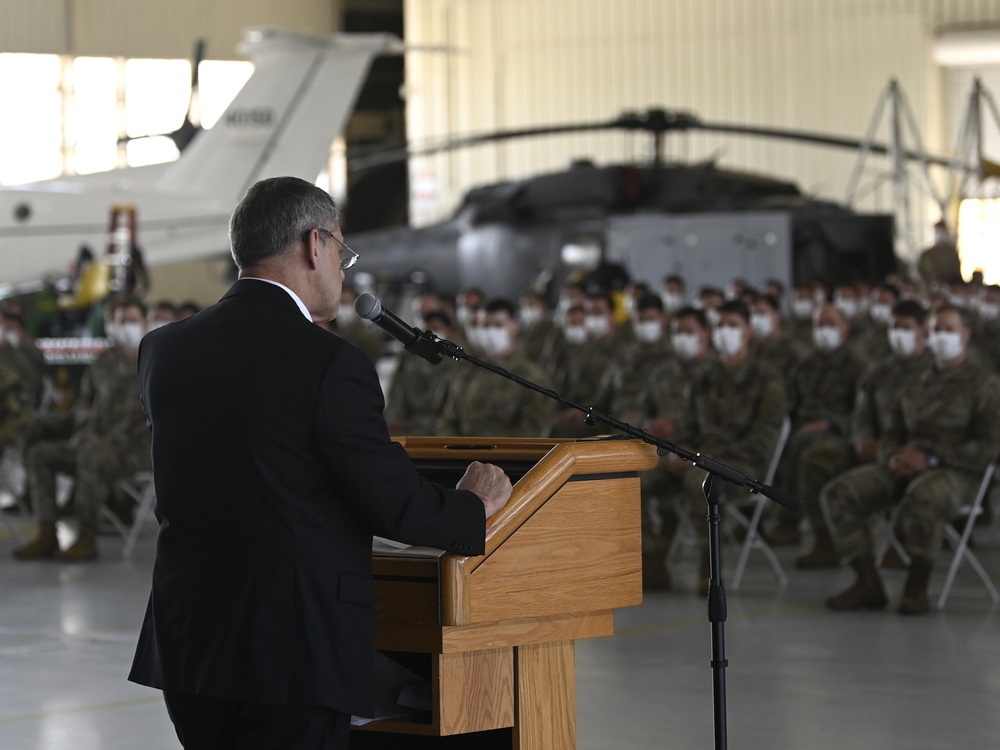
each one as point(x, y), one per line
point(427, 341)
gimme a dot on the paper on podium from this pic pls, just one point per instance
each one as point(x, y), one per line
point(390, 548)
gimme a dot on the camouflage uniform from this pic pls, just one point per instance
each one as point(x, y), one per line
point(667, 394)
point(29, 363)
point(734, 416)
point(986, 341)
point(823, 388)
point(544, 344)
point(418, 395)
point(940, 263)
point(948, 413)
point(784, 354)
point(109, 441)
point(872, 415)
point(368, 338)
point(632, 373)
point(15, 412)
point(870, 340)
point(589, 380)
point(485, 404)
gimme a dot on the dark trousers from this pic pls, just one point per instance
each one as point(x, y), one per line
point(204, 723)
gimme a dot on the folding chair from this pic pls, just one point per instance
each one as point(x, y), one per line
point(753, 538)
point(960, 542)
point(140, 488)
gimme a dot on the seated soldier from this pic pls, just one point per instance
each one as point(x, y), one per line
point(587, 378)
point(870, 418)
point(734, 414)
point(771, 343)
point(106, 440)
point(802, 306)
point(869, 337)
point(15, 411)
point(483, 403)
point(663, 400)
point(822, 399)
point(18, 352)
point(646, 354)
point(419, 389)
point(944, 432)
point(542, 341)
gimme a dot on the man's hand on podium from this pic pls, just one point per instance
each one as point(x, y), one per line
point(489, 482)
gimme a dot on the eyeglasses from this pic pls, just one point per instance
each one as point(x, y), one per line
point(352, 257)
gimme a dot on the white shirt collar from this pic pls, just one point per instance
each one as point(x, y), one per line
point(293, 295)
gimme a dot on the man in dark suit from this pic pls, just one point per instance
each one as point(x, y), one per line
point(273, 468)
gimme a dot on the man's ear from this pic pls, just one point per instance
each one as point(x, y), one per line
point(312, 247)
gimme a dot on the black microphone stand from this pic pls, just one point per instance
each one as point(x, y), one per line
point(433, 349)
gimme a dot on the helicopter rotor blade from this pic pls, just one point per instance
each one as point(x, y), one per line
point(654, 121)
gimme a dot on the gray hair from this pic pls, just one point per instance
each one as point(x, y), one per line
point(274, 214)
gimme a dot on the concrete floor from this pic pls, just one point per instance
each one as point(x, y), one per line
point(799, 677)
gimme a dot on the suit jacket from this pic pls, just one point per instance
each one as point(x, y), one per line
point(273, 468)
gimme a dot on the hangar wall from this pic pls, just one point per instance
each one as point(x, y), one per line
point(151, 28)
point(812, 64)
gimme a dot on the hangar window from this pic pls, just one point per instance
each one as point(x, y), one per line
point(85, 114)
point(31, 128)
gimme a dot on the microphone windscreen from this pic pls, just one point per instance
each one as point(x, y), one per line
point(367, 306)
point(781, 497)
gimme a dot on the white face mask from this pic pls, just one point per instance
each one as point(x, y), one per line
point(13, 338)
point(826, 338)
point(465, 316)
point(945, 345)
point(881, 313)
point(129, 335)
point(672, 301)
point(575, 334)
point(847, 306)
point(686, 345)
point(648, 331)
point(598, 325)
point(762, 325)
point(902, 342)
point(712, 315)
point(495, 341)
point(727, 340)
point(530, 316)
point(347, 315)
point(802, 308)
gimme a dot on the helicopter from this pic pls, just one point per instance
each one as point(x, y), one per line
point(701, 221)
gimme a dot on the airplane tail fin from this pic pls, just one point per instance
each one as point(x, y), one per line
point(284, 119)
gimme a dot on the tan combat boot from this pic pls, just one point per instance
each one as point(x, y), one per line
point(822, 555)
point(43, 547)
point(84, 549)
point(867, 591)
point(915, 600)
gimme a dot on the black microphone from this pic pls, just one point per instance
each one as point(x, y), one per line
point(414, 340)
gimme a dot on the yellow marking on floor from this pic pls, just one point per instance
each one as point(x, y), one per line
point(698, 621)
point(95, 708)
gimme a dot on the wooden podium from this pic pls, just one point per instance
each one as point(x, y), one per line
point(495, 633)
